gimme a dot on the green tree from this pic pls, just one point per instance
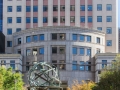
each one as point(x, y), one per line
point(110, 77)
point(10, 80)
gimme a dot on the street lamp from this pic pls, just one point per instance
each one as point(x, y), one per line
point(87, 81)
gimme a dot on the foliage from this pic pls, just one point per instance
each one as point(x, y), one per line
point(83, 86)
point(10, 80)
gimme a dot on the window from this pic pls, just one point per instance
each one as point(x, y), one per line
point(41, 51)
point(72, 19)
point(99, 18)
point(72, 7)
point(35, 38)
point(55, 19)
point(3, 63)
point(82, 7)
point(82, 19)
point(27, 19)
point(98, 40)
point(74, 65)
point(19, 40)
point(34, 51)
point(19, 8)
point(82, 67)
point(88, 38)
point(99, 28)
point(82, 51)
point(62, 65)
point(104, 63)
point(109, 7)
point(62, 19)
point(27, 68)
point(41, 37)
point(28, 52)
point(74, 50)
point(54, 50)
point(9, 20)
point(62, 36)
point(9, 8)
point(45, 8)
point(109, 42)
point(35, 8)
point(89, 19)
point(9, 31)
point(97, 50)
point(109, 19)
point(28, 8)
point(82, 37)
point(28, 39)
point(35, 19)
point(19, 51)
point(62, 8)
point(88, 66)
point(55, 8)
point(109, 30)
point(89, 52)
point(74, 37)
point(54, 36)
point(18, 29)
point(54, 62)
point(99, 7)
point(62, 50)
point(9, 43)
point(18, 20)
point(89, 7)
point(45, 20)
point(12, 64)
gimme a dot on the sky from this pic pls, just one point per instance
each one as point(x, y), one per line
point(119, 13)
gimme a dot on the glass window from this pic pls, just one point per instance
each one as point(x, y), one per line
point(62, 19)
point(28, 52)
point(19, 8)
point(28, 39)
point(99, 18)
point(62, 65)
point(74, 37)
point(88, 38)
point(27, 19)
point(9, 31)
point(104, 63)
point(82, 51)
point(28, 8)
point(9, 43)
point(82, 19)
point(35, 38)
point(72, 19)
point(19, 40)
point(62, 36)
point(54, 50)
point(35, 19)
point(109, 30)
point(98, 40)
point(74, 65)
point(41, 37)
point(55, 19)
point(74, 50)
point(82, 67)
point(72, 7)
point(18, 20)
point(35, 8)
point(109, 42)
point(109, 19)
point(82, 7)
point(41, 50)
point(89, 7)
point(54, 36)
point(19, 51)
point(55, 8)
point(61, 50)
point(99, 28)
point(18, 29)
point(45, 20)
point(97, 50)
point(109, 7)
point(12, 64)
point(9, 8)
point(62, 8)
point(82, 37)
point(45, 8)
point(88, 68)
point(9, 20)
point(88, 51)
point(99, 7)
point(89, 19)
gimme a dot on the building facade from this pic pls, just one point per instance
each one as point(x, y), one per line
point(2, 43)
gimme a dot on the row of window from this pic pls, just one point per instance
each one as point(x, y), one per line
point(108, 30)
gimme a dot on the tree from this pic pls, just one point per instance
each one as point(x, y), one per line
point(10, 80)
point(110, 77)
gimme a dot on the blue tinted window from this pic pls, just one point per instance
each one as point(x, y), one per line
point(109, 7)
point(9, 43)
point(9, 8)
point(99, 28)
point(28, 39)
point(74, 65)
point(74, 50)
point(9, 31)
point(28, 8)
point(74, 37)
point(99, 18)
point(82, 19)
point(89, 7)
point(35, 20)
point(9, 20)
point(41, 50)
point(88, 38)
point(104, 63)
point(99, 7)
point(109, 19)
point(18, 29)
point(109, 42)
point(109, 30)
point(82, 51)
point(18, 20)
point(41, 37)
point(88, 51)
point(82, 7)
point(44, 19)
point(27, 19)
point(82, 67)
point(28, 52)
point(45, 8)
point(19, 9)
point(35, 8)
point(98, 40)
point(35, 38)
point(12, 64)
point(89, 18)
point(82, 37)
